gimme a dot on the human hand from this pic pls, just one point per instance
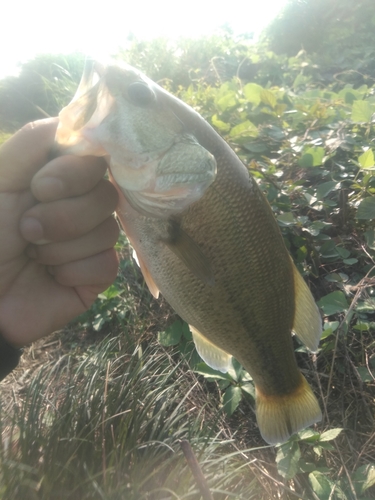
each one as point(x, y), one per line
point(57, 234)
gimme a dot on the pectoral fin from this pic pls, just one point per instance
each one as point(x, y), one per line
point(185, 248)
point(215, 357)
point(307, 320)
point(147, 276)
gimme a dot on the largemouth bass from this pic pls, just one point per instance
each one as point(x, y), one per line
point(204, 235)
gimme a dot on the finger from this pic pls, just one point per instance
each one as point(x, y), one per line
point(100, 269)
point(102, 237)
point(70, 218)
point(67, 176)
point(25, 153)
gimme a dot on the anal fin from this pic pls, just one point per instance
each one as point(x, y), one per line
point(215, 357)
point(307, 320)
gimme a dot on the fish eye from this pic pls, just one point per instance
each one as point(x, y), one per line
point(141, 94)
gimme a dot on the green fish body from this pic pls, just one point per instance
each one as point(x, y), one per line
point(204, 235)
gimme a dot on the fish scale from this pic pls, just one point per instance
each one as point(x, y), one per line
point(204, 235)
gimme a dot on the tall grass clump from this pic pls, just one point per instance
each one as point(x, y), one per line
point(109, 427)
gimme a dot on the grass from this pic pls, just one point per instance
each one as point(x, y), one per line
point(107, 425)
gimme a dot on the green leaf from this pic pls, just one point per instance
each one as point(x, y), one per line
point(306, 466)
point(249, 389)
point(309, 435)
point(223, 384)
point(235, 370)
point(350, 262)
point(287, 219)
point(172, 335)
point(226, 100)
point(287, 459)
point(252, 93)
point(321, 485)
point(317, 450)
point(343, 252)
point(186, 331)
point(365, 374)
point(362, 112)
point(366, 306)
point(312, 157)
point(326, 333)
point(362, 326)
point(330, 434)
point(333, 303)
point(219, 124)
point(99, 322)
point(244, 129)
point(231, 399)
point(366, 160)
point(336, 277)
point(365, 476)
point(256, 147)
point(325, 188)
point(317, 226)
point(366, 209)
point(326, 446)
point(329, 250)
point(274, 132)
point(300, 80)
point(111, 292)
point(349, 95)
point(370, 479)
point(370, 238)
point(208, 372)
point(268, 97)
point(331, 325)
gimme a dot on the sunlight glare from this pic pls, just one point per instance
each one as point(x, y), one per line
point(100, 29)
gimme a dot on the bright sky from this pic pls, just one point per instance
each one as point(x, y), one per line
point(99, 28)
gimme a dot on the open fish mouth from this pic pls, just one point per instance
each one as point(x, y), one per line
point(90, 105)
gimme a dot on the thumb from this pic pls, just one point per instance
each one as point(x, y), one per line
point(25, 153)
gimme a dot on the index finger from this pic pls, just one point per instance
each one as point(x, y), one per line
point(25, 153)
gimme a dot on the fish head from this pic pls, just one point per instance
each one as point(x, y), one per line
point(155, 160)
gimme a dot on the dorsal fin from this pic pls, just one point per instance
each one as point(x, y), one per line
point(307, 320)
point(215, 357)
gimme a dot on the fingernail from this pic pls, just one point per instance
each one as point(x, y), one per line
point(48, 188)
point(31, 229)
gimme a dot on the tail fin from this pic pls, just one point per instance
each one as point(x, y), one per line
point(279, 417)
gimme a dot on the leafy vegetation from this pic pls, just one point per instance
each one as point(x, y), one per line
point(43, 87)
point(104, 418)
